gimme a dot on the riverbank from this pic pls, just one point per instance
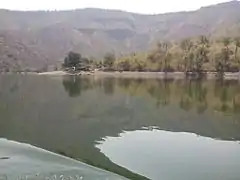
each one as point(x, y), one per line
point(128, 74)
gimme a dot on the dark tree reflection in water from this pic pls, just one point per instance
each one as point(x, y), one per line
point(74, 85)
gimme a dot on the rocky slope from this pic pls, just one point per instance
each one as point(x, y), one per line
point(35, 39)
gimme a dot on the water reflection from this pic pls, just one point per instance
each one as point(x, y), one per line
point(194, 93)
point(173, 156)
point(226, 92)
point(109, 86)
point(214, 100)
point(222, 96)
point(70, 115)
point(74, 85)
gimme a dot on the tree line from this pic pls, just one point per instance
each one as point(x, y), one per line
point(194, 56)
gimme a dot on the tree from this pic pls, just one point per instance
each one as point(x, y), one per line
point(201, 55)
point(161, 56)
point(76, 62)
point(98, 64)
point(72, 60)
point(222, 59)
point(226, 41)
point(84, 64)
point(124, 65)
point(237, 45)
point(186, 46)
point(166, 56)
point(109, 60)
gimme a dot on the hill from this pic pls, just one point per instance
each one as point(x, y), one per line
point(34, 39)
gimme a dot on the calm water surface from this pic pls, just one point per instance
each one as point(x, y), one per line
point(138, 128)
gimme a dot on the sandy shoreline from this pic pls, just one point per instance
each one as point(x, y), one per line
point(126, 74)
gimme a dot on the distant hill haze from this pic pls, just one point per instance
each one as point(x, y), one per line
point(34, 39)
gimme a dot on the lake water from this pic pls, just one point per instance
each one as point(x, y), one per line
point(138, 128)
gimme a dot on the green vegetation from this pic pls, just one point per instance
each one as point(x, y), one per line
point(108, 61)
point(75, 61)
point(194, 56)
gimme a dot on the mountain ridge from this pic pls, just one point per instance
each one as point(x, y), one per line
point(34, 39)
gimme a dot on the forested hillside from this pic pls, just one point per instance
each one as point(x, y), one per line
point(36, 39)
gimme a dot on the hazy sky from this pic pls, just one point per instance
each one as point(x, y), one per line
point(140, 6)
